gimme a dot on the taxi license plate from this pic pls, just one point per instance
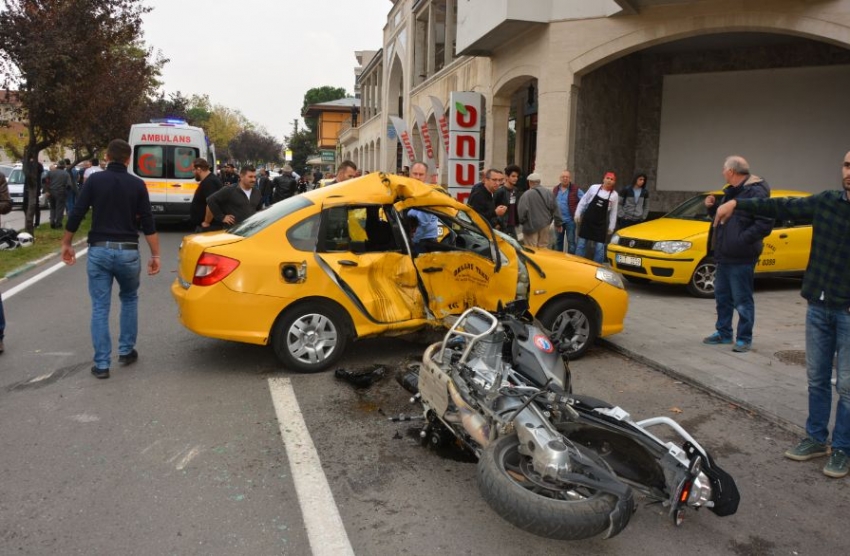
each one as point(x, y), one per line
point(628, 260)
point(157, 208)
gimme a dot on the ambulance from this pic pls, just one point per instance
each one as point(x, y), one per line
point(163, 154)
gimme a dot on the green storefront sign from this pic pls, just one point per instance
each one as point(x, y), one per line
point(328, 156)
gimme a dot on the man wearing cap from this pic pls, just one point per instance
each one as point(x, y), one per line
point(596, 217)
point(536, 210)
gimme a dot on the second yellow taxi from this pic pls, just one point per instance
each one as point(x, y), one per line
point(674, 248)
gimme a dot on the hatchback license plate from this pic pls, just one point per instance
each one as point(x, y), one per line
point(157, 208)
point(628, 260)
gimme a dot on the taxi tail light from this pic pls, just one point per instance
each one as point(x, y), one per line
point(212, 269)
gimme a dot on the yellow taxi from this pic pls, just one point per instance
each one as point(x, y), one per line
point(318, 270)
point(674, 248)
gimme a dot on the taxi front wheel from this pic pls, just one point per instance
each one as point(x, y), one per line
point(309, 338)
point(701, 283)
point(573, 322)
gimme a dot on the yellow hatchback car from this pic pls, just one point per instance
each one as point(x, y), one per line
point(313, 272)
point(674, 248)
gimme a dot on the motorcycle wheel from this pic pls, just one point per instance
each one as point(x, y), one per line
point(563, 511)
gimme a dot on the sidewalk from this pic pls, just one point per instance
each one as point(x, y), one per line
point(17, 219)
point(664, 329)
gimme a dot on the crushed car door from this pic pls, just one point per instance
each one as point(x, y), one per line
point(364, 251)
point(459, 269)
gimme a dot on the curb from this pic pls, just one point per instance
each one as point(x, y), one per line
point(15, 272)
point(725, 396)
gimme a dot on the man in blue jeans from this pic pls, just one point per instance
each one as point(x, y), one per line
point(120, 206)
point(826, 286)
point(737, 247)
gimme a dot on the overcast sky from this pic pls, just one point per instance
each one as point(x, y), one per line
point(261, 56)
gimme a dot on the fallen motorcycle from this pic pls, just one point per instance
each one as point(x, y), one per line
point(554, 463)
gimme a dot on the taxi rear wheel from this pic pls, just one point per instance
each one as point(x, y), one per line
point(571, 321)
point(309, 338)
point(701, 283)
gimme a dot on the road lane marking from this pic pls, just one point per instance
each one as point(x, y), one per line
point(38, 277)
point(325, 529)
point(188, 457)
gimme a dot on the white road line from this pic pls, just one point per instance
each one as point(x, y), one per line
point(325, 529)
point(38, 277)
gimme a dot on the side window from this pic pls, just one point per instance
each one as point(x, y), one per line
point(303, 235)
point(183, 159)
point(359, 229)
point(148, 161)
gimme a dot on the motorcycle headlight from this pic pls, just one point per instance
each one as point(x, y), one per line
point(671, 247)
point(608, 276)
point(615, 239)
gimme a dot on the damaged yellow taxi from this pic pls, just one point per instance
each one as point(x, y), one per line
point(314, 272)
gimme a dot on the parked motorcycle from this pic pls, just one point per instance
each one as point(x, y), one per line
point(554, 463)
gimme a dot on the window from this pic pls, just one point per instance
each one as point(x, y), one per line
point(165, 162)
point(358, 230)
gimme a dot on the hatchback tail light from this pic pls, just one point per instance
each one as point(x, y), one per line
point(212, 269)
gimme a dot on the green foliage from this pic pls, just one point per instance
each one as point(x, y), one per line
point(79, 69)
point(303, 145)
point(255, 147)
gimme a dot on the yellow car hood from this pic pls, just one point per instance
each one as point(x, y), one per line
point(666, 229)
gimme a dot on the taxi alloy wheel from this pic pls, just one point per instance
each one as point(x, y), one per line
point(701, 283)
point(571, 321)
point(310, 337)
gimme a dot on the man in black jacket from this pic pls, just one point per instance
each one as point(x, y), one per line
point(209, 184)
point(285, 185)
point(737, 247)
point(232, 205)
point(508, 195)
point(481, 198)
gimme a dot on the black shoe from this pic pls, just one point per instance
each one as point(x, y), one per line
point(100, 373)
point(128, 358)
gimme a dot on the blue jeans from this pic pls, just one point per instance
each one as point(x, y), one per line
point(733, 291)
point(598, 252)
point(103, 266)
point(570, 232)
point(828, 337)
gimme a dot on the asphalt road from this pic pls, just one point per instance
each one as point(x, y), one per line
point(181, 453)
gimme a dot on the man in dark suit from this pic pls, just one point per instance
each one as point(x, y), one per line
point(232, 205)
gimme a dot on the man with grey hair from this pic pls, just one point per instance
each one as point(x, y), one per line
point(737, 247)
point(536, 210)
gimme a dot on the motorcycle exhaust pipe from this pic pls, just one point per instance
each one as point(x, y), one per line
point(473, 423)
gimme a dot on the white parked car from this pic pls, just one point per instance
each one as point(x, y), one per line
point(15, 178)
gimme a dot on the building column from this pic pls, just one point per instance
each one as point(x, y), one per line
point(519, 128)
point(450, 32)
point(496, 133)
point(555, 129)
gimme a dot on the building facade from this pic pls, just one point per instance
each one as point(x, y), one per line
point(664, 87)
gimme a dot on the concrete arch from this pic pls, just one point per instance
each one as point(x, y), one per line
point(514, 78)
point(686, 27)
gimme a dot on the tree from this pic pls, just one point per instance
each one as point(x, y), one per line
point(61, 54)
point(255, 146)
point(318, 95)
point(223, 126)
point(302, 143)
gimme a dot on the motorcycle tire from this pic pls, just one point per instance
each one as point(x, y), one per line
point(564, 512)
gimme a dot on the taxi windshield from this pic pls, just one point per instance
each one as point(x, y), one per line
point(692, 209)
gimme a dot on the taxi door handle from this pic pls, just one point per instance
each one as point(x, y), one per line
point(175, 185)
point(346, 262)
point(783, 236)
point(432, 269)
